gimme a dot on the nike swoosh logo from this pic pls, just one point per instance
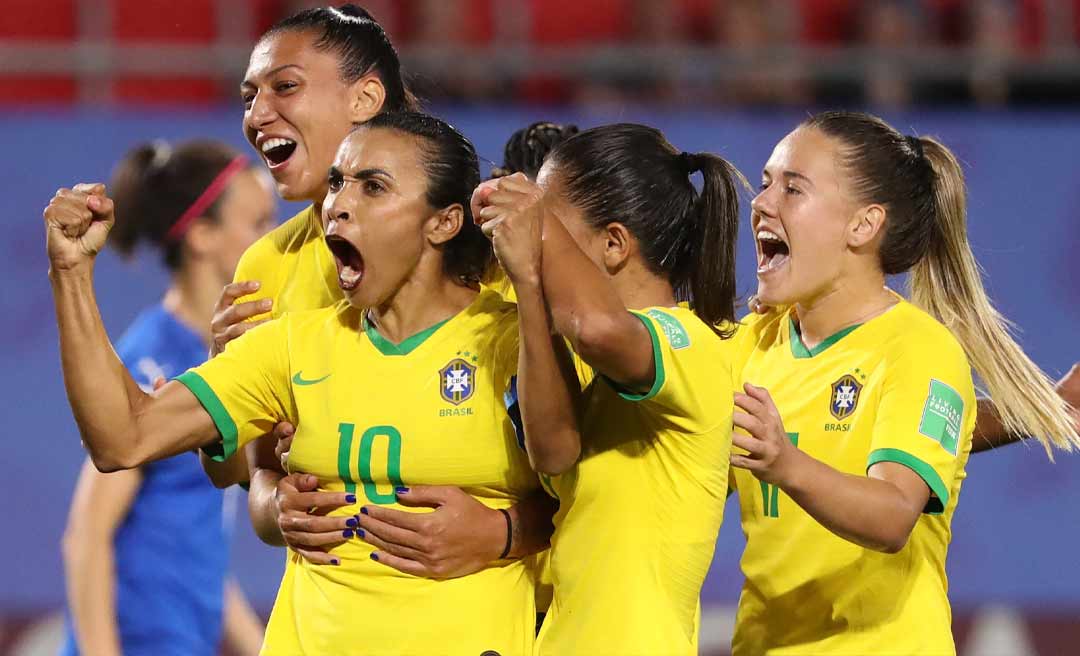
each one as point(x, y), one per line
point(298, 379)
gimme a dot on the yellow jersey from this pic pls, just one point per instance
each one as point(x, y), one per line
point(294, 266)
point(372, 416)
point(897, 388)
point(640, 511)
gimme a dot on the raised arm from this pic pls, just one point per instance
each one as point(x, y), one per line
point(122, 427)
point(584, 305)
point(547, 385)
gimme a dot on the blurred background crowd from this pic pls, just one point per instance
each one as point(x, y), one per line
point(694, 53)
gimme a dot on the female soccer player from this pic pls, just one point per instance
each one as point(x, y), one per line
point(442, 353)
point(311, 78)
point(146, 550)
point(858, 405)
point(641, 490)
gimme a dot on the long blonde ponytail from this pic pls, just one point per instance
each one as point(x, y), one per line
point(946, 282)
point(922, 185)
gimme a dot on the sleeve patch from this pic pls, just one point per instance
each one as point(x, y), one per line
point(942, 415)
point(676, 335)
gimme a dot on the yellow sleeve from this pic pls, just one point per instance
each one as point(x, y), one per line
point(925, 417)
point(692, 380)
point(246, 389)
point(261, 262)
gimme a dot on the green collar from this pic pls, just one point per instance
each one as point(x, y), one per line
point(799, 350)
point(386, 347)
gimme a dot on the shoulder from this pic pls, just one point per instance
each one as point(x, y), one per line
point(264, 256)
point(915, 337)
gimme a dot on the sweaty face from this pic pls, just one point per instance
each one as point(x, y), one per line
point(376, 213)
point(247, 212)
point(296, 112)
point(800, 219)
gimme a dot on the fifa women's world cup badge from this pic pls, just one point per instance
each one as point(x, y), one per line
point(458, 381)
point(845, 396)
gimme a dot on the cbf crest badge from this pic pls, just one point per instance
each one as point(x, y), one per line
point(845, 396)
point(458, 381)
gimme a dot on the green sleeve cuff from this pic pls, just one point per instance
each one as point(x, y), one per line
point(937, 502)
point(223, 450)
point(658, 359)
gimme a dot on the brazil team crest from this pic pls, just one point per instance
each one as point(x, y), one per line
point(845, 396)
point(458, 381)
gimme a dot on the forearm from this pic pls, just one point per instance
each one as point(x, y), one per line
point(990, 432)
point(101, 392)
point(586, 309)
point(531, 524)
point(225, 474)
point(545, 387)
point(870, 512)
point(242, 627)
point(91, 587)
point(262, 506)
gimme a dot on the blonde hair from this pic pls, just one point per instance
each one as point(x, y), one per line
point(946, 282)
point(921, 184)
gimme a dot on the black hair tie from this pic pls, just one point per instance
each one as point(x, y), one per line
point(689, 162)
point(916, 146)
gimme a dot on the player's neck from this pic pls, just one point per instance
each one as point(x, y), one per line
point(638, 288)
point(192, 296)
point(849, 303)
point(420, 303)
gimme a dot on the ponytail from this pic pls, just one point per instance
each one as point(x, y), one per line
point(922, 186)
point(714, 234)
point(632, 175)
point(946, 282)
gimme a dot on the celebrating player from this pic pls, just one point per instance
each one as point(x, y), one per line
point(357, 383)
point(146, 550)
point(858, 405)
point(641, 490)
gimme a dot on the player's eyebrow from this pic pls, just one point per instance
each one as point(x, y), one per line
point(798, 176)
point(248, 83)
point(362, 174)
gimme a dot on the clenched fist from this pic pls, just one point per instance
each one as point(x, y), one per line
point(77, 221)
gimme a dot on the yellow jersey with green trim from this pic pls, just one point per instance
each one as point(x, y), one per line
point(294, 266)
point(897, 388)
point(372, 416)
point(640, 511)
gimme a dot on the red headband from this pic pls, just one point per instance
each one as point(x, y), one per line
point(207, 198)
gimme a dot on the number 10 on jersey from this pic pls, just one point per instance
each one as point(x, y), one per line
point(371, 440)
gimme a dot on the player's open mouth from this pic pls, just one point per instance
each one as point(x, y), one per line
point(773, 252)
point(277, 151)
point(350, 266)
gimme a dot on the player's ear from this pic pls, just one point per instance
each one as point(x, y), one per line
point(366, 97)
point(445, 224)
point(865, 225)
point(619, 245)
point(201, 238)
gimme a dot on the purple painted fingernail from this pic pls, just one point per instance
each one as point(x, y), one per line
point(335, 561)
point(374, 556)
point(347, 533)
point(360, 533)
point(350, 498)
point(363, 509)
point(350, 522)
point(401, 490)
